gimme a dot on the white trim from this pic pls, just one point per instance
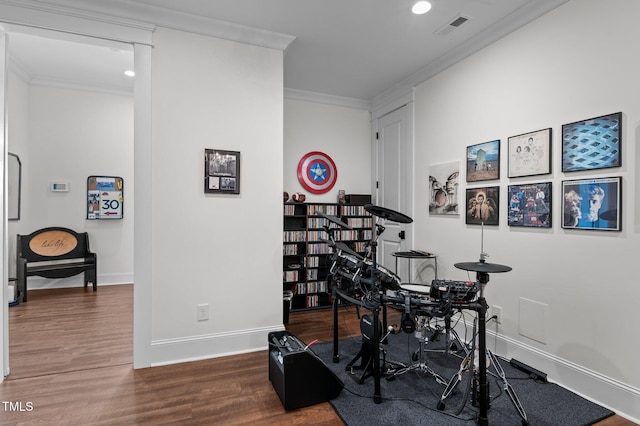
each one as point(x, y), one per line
point(4, 248)
point(322, 98)
point(201, 25)
point(80, 85)
point(519, 18)
point(195, 348)
point(142, 230)
point(75, 21)
point(395, 100)
point(602, 390)
point(97, 19)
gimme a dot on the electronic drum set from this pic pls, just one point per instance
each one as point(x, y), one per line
point(361, 281)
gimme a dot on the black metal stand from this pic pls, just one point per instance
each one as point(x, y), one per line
point(483, 279)
point(375, 341)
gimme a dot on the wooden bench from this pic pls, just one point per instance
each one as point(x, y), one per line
point(54, 252)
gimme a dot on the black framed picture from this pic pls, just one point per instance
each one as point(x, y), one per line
point(594, 204)
point(530, 153)
point(592, 144)
point(221, 171)
point(482, 206)
point(530, 205)
point(483, 161)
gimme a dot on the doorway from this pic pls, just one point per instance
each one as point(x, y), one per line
point(394, 189)
point(68, 119)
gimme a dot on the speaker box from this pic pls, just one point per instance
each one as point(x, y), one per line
point(360, 199)
point(299, 377)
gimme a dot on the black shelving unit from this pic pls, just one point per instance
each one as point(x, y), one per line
point(307, 259)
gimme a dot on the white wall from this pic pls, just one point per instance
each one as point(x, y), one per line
point(576, 62)
point(220, 250)
point(67, 135)
point(343, 133)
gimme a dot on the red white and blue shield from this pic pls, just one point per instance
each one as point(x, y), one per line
point(317, 172)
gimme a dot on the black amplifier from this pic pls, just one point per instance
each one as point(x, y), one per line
point(456, 291)
point(299, 377)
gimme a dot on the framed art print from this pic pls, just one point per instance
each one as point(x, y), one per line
point(482, 206)
point(592, 144)
point(483, 161)
point(105, 197)
point(530, 154)
point(443, 188)
point(221, 172)
point(530, 205)
point(594, 204)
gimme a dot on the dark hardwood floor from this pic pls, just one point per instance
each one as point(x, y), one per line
point(71, 364)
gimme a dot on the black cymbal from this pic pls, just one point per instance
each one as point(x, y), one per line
point(334, 219)
point(482, 267)
point(388, 214)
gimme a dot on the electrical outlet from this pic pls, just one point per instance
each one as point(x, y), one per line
point(203, 312)
point(497, 312)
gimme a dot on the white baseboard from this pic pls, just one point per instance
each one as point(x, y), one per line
point(613, 394)
point(195, 348)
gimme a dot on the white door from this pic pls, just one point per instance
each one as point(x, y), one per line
point(394, 170)
point(4, 328)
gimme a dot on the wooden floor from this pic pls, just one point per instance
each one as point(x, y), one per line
point(71, 364)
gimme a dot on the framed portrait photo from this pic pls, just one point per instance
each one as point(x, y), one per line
point(482, 206)
point(592, 144)
point(530, 205)
point(593, 204)
point(530, 154)
point(483, 161)
point(221, 172)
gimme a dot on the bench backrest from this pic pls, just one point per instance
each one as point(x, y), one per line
point(54, 243)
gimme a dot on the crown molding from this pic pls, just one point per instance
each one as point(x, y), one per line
point(519, 18)
point(323, 98)
point(56, 17)
point(135, 16)
point(58, 83)
point(18, 69)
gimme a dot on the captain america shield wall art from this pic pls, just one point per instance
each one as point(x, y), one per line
point(317, 172)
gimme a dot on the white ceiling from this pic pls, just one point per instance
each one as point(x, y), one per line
point(355, 49)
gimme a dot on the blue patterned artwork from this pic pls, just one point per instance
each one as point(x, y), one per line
point(592, 144)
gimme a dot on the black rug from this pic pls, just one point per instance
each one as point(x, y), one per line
point(412, 398)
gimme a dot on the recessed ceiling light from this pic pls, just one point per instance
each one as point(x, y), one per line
point(421, 7)
point(129, 73)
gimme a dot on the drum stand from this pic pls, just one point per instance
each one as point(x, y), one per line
point(481, 391)
point(448, 332)
point(365, 354)
point(421, 364)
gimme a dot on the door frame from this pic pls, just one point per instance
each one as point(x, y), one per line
point(4, 329)
point(405, 99)
point(139, 35)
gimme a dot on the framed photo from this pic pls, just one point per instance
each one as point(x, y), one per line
point(592, 144)
point(443, 188)
point(105, 197)
point(530, 154)
point(594, 204)
point(482, 206)
point(530, 205)
point(483, 161)
point(221, 171)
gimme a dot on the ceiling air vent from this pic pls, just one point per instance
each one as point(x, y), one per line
point(454, 24)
